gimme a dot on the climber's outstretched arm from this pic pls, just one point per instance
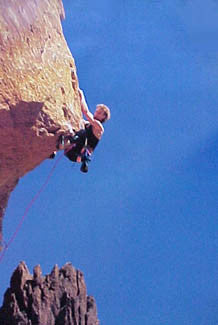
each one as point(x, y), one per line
point(90, 117)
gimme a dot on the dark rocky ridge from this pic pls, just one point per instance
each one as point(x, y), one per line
point(56, 299)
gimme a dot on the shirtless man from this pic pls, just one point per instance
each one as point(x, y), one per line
point(85, 141)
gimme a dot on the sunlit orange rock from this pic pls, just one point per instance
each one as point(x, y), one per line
point(38, 88)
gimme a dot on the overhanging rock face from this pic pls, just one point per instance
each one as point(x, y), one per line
point(56, 299)
point(38, 88)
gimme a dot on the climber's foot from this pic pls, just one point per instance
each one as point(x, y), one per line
point(52, 156)
point(84, 167)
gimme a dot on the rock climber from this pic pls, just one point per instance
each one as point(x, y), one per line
point(79, 148)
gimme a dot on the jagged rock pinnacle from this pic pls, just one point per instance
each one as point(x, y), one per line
point(56, 299)
point(38, 88)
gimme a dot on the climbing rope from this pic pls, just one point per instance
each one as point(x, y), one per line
point(6, 245)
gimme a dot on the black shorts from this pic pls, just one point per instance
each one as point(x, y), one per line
point(77, 142)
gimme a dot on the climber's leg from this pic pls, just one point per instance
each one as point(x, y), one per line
point(85, 158)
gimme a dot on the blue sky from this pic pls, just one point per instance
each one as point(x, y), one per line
point(142, 224)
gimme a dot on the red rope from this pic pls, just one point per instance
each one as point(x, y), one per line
point(8, 244)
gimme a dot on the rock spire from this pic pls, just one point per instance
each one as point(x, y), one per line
point(59, 298)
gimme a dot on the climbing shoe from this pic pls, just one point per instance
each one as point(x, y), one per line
point(84, 167)
point(85, 158)
point(52, 156)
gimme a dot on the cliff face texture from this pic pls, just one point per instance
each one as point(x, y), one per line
point(38, 88)
point(56, 299)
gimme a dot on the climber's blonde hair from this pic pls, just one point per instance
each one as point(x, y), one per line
point(106, 111)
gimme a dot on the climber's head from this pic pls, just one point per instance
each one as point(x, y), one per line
point(102, 113)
